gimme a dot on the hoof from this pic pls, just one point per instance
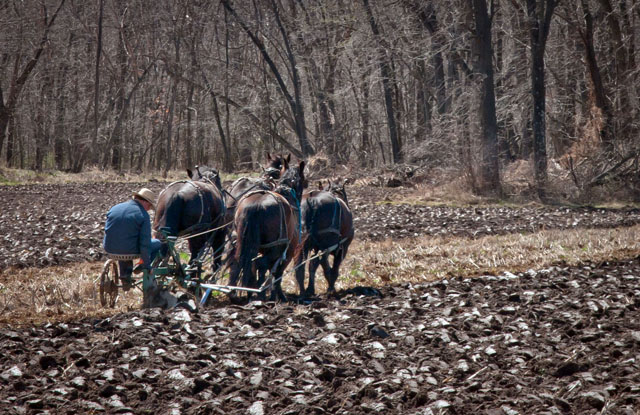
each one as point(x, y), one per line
point(237, 300)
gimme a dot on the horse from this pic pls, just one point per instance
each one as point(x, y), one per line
point(267, 225)
point(193, 207)
point(328, 226)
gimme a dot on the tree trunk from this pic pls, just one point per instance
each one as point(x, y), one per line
point(298, 105)
point(41, 118)
point(423, 106)
point(96, 96)
point(172, 105)
point(11, 139)
point(115, 142)
point(489, 172)
point(59, 130)
point(539, 13)
point(429, 20)
point(4, 120)
point(223, 140)
point(606, 130)
point(387, 79)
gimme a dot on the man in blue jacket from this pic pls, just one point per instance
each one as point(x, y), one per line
point(127, 231)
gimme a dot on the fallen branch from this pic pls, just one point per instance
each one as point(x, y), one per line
point(599, 179)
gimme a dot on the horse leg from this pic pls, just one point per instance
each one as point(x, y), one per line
point(313, 267)
point(300, 266)
point(195, 245)
point(276, 292)
point(249, 275)
point(218, 248)
point(334, 271)
point(235, 269)
point(262, 266)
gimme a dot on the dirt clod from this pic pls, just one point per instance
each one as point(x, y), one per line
point(562, 339)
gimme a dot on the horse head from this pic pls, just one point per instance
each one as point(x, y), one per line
point(292, 178)
point(338, 189)
point(275, 164)
point(206, 174)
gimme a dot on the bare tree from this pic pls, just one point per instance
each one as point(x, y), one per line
point(387, 80)
point(294, 101)
point(20, 77)
point(540, 13)
point(489, 177)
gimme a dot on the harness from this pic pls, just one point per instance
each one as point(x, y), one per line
point(336, 220)
point(282, 237)
point(199, 228)
point(198, 190)
point(246, 192)
point(336, 225)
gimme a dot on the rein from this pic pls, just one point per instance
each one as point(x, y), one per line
point(283, 224)
point(246, 192)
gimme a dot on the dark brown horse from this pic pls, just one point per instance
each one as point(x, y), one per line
point(328, 226)
point(244, 185)
point(194, 207)
point(267, 225)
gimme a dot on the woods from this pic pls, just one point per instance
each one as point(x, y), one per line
point(470, 86)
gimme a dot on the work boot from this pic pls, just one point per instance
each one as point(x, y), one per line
point(127, 282)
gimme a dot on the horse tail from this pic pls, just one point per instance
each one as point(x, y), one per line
point(308, 213)
point(248, 244)
point(347, 230)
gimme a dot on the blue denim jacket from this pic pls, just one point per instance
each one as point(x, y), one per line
point(128, 230)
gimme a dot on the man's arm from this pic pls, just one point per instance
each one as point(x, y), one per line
point(144, 241)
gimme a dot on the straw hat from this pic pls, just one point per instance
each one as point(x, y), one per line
point(147, 195)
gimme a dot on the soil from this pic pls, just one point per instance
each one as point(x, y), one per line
point(53, 224)
point(551, 341)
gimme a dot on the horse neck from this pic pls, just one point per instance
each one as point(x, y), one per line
point(289, 195)
point(213, 183)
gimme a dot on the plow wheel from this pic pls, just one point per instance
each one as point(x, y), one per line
point(109, 283)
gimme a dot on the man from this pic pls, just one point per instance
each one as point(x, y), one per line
point(127, 231)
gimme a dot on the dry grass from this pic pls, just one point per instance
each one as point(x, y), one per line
point(428, 258)
point(452, 193)
point(40, 295)
point(93, 175)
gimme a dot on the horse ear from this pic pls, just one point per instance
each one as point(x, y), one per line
point(268, 156)
point(285, 166)
point(288, 158)
point(301, 167)
point(190, 173)
point(320, 185)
